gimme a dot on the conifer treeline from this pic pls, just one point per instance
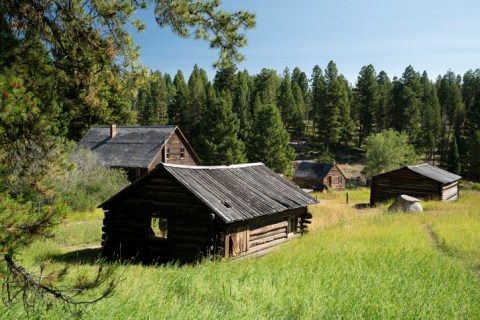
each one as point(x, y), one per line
point(241, 117)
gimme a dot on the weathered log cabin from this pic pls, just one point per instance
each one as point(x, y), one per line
point(421, 181)
point(185, 213)
point(139, 149)
point(308, 175)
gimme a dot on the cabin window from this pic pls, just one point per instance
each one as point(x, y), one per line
point(340, 180)
point(158, 227)
point(182, 153)
point(167, 155)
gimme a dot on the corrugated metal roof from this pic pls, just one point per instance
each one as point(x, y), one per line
point(434, 173)
point(131, 147)
point(240, 192)
point(312, 170)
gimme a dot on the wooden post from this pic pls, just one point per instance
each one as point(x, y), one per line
point(346, 195)
point(227, 246)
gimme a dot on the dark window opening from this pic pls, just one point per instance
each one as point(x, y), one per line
point(340, 180)
point(182, 153)
point(158, 227)
point(168, 153)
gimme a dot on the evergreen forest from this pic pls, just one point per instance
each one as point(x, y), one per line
point(68, 65)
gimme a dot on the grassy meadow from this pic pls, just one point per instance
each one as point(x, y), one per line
point(358, 264)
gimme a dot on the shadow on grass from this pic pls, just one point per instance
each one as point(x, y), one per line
point(88, 256)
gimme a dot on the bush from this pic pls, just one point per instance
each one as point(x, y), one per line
point(325, 158)
point(476, 186)
point(88, 184)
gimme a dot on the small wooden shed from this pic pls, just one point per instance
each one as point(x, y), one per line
point(421, 181)
point(138, 149)
point(309, 174)
point(184, 213)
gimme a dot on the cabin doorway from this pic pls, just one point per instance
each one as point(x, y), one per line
point(329, 181)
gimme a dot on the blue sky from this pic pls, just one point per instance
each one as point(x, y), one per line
point(390, 34)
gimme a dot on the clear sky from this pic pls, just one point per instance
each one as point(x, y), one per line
point(431, 35)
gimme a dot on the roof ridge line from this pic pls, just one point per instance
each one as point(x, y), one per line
point(232, 166)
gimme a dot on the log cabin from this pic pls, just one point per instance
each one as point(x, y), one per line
point(421, 181)
point(185, 213)
point(309, 175)
point(138, 149)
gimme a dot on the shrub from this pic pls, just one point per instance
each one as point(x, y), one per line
point(476, 186)
point(88, 183)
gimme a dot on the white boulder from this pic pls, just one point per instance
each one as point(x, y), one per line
point(406, 204)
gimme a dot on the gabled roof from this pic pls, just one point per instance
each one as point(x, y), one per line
point(131, 147)
point(312, 170)
point(236, 192)
point(434, 173)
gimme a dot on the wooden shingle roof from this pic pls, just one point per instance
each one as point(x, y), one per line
point(312, 170)
point(131, 147)
point(235, 192)
point(434, 173)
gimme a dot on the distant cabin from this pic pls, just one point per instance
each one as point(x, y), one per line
point(421, 181)
point(310, 175)
point(139, 149)
point(187, 212)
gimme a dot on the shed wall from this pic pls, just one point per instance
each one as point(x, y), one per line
point(404, 181)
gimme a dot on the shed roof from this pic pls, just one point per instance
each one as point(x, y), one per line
point(236, 192)
point(434, 173)
point(131, 147)
point(313, 170)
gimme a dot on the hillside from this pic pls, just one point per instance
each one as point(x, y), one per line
point(353, 264)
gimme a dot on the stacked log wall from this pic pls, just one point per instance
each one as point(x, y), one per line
point(404, 181)
point(189, 223)
point(265, 234)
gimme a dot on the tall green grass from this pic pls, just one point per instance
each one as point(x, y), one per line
point(354, 264)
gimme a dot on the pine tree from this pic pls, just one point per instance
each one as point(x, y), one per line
point(346, 122)
point(382, 109)
point(225, 79)
point(241, 106)
point(268, 141)
point(318, 95)
point(197, 99)
point(366, 102)
point(454, 164)
point(430, 117)
point(474, 156)
point(218, 142)
point(266, 86)
point(329, 125)
point(178, 109)
point(405, 115)
point(291, 114)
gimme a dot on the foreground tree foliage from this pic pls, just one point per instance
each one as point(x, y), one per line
point(65, 65)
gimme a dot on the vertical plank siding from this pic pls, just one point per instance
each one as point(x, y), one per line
point(175, 144)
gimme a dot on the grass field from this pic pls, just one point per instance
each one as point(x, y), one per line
point(355, 264)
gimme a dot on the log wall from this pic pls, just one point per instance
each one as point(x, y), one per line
point(191, 231)
point(404, 181)
point(265, 234)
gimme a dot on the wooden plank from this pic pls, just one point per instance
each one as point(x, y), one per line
point(261, 241)
point(268, 234)
point(283, 224)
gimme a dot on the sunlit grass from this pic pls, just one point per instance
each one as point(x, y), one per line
point(354, 264)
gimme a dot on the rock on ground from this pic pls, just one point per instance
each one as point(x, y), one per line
point(406, 203)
